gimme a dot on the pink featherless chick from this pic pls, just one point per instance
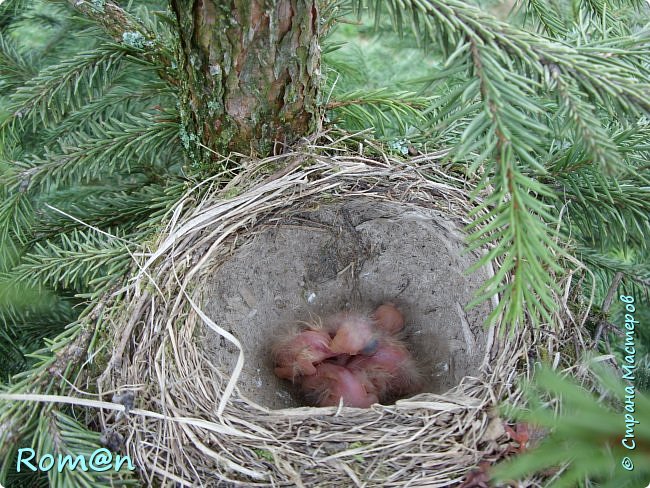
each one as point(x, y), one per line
point(297, 354)
point(388, 318)
point(352, 333)
point(331, 383)
point(391, 369)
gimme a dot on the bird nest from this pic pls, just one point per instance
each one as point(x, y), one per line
point(331, 230)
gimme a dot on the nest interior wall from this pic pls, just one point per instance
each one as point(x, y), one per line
point(348, 254)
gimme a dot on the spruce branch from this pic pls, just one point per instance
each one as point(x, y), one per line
point(48, 428)
point(19, 420)
point(515, 224)
point(604, 212)
point(523, 90)
point(103, 207)
point(514, 218)
point(80, 260)
point(60, 433)
point(588, 128)
point(16, 218)
point(112, 146)
point(60, 88)
point(596, 72)
point(381, 109)
point(131, 96)
point(633, 272)
point(545, 15)
point(30, 313)
point(128, 31)
point(585, 433)
point(15, 67)
point(113, 18)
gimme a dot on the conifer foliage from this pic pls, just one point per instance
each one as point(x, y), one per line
point(547, 114)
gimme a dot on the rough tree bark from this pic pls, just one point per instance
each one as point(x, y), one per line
point(251, 72)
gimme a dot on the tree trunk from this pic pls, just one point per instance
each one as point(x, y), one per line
point(251, 72)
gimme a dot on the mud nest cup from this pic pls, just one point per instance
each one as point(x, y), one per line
point(334, 230)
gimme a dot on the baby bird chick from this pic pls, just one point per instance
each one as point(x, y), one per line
point(353, 333)
point(391, 369)
point(332, 383)
point(297, 354)
point(388, 318)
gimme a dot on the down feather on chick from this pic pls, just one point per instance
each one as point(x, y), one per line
point(353, 333)
point(331, 383)
point(299, 352)
point(391, 369)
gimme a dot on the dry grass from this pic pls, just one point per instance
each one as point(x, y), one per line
point(193, 428)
